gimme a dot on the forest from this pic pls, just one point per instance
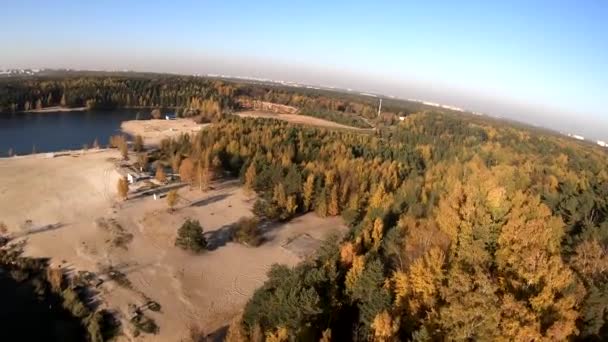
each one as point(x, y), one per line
point(188, 96)
point(460, 229)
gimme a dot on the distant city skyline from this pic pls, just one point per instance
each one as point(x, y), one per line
point(542, 63)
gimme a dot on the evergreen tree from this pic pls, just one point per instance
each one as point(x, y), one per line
point(190, 237)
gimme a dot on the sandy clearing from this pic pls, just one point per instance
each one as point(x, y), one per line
point(207, 290)
point(299, 119)
point(153, 131)
point(63, 189)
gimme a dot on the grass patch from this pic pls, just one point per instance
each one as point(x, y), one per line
point(120, 237)
point(117, 276)
point(247, 232)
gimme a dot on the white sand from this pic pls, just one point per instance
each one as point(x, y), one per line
point(64, 189)
point(153, 131)
point(207, 290)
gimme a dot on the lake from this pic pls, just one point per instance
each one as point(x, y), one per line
point(56, 131)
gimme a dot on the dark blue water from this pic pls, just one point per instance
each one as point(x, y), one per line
point(56, 131)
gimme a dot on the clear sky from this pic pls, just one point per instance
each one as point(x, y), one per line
point(544, 62)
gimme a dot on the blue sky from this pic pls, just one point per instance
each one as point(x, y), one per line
point(544, 62)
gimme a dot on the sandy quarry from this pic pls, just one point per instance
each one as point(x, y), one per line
point(299, 119)
point(153, 131)
point(70, 192)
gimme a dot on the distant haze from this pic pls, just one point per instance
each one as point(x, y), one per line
point(543, 63)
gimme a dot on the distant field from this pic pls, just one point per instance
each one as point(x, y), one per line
point(299, 119)
point(352, 120)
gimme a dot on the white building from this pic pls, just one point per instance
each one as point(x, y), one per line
point(602, 143)
point(577, 137)
point(133, 177)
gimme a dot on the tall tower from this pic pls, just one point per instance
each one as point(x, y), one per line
point(379, 107)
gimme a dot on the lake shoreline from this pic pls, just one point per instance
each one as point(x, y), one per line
point(55, 109)
point(56, 154)
point(24, 133)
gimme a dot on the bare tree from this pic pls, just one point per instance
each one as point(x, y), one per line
point(203, 175)
point(186, 171)
point(138, 145)
point(172, 198)
point(123, 188)
point(175, 162)
point(142, 161)
point(160, 174)
point(124, 150)
point(120, 142)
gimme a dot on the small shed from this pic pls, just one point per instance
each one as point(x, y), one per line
point(131, 178)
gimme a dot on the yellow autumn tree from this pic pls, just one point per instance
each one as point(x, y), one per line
point(250, 177)
point(347, 253)
point(377, 233)
point(279, 195)
point(291, 205)
point(529, 253)
point(385, 327)
point(591, 259)
point(378, 199)
point(425, 277)
point(308, 191)
point(401, 288)
point(333, 207)
point(280, 335)
point(355, 271)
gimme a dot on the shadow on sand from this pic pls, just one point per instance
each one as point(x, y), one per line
point(209, 200)
point(219, 237)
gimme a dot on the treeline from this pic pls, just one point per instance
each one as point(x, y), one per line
point(349, 103)
point(460, 229)
point(188, 96)
point(111, 92)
